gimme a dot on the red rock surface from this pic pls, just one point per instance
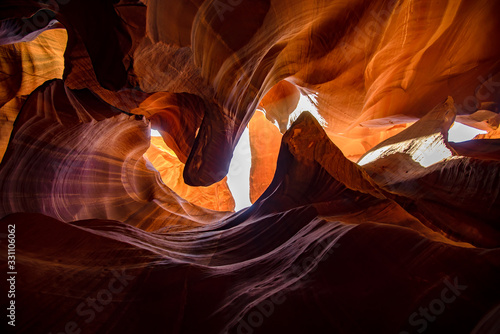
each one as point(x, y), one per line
point(365, 218)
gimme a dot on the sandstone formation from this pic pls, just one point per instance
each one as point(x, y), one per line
point(366, 216)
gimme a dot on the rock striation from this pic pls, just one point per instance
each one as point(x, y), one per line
point(366, 218)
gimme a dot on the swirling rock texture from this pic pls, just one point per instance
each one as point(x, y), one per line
point(216, 197)
point(365, 217)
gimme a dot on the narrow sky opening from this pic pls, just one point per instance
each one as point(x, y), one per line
point(238, 177)
point(460, 132)
point(307, 103)
point(429, 151)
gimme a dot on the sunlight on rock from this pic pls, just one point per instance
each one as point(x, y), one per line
point(114, 227)
point(309, 103)
point(426, 151)
point(430, 151)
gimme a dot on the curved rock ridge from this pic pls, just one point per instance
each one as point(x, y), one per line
point(111, 17)
point(365, 219)
point(72, 156)
point(177, 117)
point(485, 149)
point(215, 197)
point(364, 60)
point(316, 269)
point(312, 171)
point(281, 100)
point(453, 193)
point(24, 67)
point(299, 256)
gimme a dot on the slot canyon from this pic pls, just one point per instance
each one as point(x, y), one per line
point(250, 166)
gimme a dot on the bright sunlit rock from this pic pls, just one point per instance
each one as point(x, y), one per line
point(238, 177)
point(430, 151)
point(425, 150)
point(307, 103)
